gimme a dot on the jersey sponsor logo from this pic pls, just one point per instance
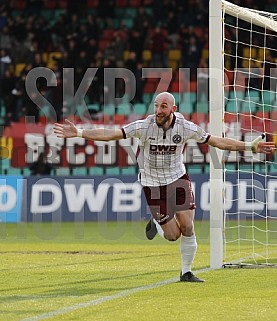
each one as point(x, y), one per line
point(152, 138)
point(176, 139)
point(162, 149)
point(160, 217)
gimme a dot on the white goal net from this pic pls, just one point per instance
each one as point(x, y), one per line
point(249, 65)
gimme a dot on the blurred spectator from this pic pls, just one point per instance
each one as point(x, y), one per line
point(5, 61)
point(191, 54)
point(33, 7)
point(5, 39)
point(41, 166)
point(159, 43)
point(7, 85)
point(27, 37)
point(137, 42)
point(202, 80)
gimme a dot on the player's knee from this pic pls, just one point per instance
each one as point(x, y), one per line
point(187, 230)
point(172, 237)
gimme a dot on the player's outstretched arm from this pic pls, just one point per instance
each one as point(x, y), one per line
point(69, 130)
point(256, 146)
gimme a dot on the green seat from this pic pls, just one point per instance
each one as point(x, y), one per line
point(44, 111)
point(186, 107)
point(80, 171)
point(2, 111)
point(93, 108)
point(230, 167)
point(5, 163)
point(268, 96)
point(80, 110)
point(252, 95)
point(131, 170)
point(246, 168)
point(62, 171)
point(147, 98)
point(248, 106)
point(124, 109)
point(14, 171)
point(177, 97)
point(125, 98)
point(237, 95)
point(207, 168)
point(189, 97)
point(272, 168)
point(47, 14)
point(195, 169)
point(139, 109)
point(232, 106)
point(202, 108)
point(263, 107)
point(109, 109)
point(112, 171)
point(260, 168)
point(26, 172)
point(58, 13)
point(131, 12)
point(203, 97)
point(96, 170)
point(128, 22)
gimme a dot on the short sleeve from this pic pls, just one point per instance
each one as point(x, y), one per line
point(199, 134)
point(133, 129)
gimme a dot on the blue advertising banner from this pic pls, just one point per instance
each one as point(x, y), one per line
point(84, 199)
point(11, 188)
point(121, 198)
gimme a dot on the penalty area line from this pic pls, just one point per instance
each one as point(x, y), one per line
point(107, 298)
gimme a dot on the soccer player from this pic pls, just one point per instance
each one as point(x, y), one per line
point(162, 173)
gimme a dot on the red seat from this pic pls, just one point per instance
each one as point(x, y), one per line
point(119, 119)
point(198, 118)
point(245, 120)
point(50, 4)
point(108, 34)
point(102, 44)
point(151, 86)
point(174, 87)
point(19, 5)
point(62, 4)
point(121, 3)
point(92, 3)
point(134, 3)
point(230, 118)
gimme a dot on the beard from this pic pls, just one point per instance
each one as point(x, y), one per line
point(162, 121)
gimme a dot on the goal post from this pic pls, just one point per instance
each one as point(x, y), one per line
point(216, 128)
point(243, 105)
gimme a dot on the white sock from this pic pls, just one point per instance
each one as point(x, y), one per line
point(159, 228)
point(188, 246)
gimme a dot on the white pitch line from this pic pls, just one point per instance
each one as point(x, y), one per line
point(105, 299)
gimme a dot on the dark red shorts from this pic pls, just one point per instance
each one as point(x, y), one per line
point(165, 201)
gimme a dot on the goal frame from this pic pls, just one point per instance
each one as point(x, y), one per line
point(216, 110)
point(216, 100)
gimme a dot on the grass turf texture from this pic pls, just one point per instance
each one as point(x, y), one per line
point(47, 267)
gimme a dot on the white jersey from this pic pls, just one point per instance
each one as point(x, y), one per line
point(160, 152)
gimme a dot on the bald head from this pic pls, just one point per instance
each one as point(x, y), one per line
point(164, 106)
point(166, 97)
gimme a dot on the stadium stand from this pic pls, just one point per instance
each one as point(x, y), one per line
point(68, 34)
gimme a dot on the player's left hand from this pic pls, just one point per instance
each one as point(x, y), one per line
point(265, 147)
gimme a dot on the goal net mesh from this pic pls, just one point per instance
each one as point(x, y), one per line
point(250, 180)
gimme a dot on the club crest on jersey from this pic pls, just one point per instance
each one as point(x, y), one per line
point(161, 217)
point(176, 139)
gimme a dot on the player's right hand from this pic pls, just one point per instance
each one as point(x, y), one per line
point(66, 130)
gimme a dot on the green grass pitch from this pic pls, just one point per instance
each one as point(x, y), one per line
point(109, 271)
